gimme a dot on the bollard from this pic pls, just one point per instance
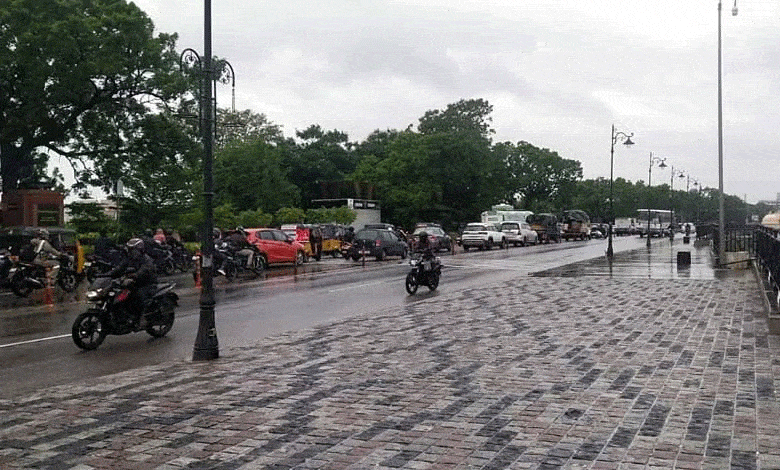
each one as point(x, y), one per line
point(686, 240)
point(197, 270)
point(683, 258)
point(48, 294)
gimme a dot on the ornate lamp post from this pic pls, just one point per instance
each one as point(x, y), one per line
point(206, 344)
point(681, 174)
point(661, 164)
point(721, 213)
point(626, 138)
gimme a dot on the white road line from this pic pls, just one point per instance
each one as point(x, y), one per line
point(39, 340)
point(357, 286)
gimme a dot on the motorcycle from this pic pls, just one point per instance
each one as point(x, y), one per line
point(110, 313)
point(425, 271)
point(163, 259)
point(182, 258)
point(6, 263)
point(97, 265)
point(25, 277)
point(233, 264)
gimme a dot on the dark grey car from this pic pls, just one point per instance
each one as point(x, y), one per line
point(378, 243)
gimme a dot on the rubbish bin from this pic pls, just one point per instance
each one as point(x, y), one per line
point(683, 258)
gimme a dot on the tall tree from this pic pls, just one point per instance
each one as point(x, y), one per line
point(76, 79)
point(320, 157)
point(545, 181)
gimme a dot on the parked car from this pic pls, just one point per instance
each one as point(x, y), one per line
point(379, 243)
point(482, 236)
point(437, 237)
point(519, 233)
point(276, 246)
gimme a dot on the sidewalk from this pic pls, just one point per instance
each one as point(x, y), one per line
point(648, 366)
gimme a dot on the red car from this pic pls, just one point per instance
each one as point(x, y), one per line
point(276, 246)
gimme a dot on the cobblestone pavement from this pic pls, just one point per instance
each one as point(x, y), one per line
point(537, 373)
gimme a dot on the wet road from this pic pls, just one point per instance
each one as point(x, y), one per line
point(36, 349)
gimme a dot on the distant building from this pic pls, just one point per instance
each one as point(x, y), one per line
point(110, 208)
point(32, 208)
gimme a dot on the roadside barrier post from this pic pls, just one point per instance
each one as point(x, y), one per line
point(197, 269)
point(48, 294)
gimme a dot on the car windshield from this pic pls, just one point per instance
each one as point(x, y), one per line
point(509, 226)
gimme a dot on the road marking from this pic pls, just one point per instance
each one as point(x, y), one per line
point(357, 286)
point(39, 340)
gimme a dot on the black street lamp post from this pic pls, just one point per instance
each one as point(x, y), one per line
point(206, 343)
point(626, 138)
point(672, 222)
point(661, 164)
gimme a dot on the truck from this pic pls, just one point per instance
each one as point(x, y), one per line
point(576, 225)
point(625, 226)
point(504, 213)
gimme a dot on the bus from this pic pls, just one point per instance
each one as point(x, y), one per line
point(653, 222)
point(504, 213)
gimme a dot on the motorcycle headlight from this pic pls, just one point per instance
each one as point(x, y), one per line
point(93, 295)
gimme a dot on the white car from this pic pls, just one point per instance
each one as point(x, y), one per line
point(519, 233)
point(482, 236)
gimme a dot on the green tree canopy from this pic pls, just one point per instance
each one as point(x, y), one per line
point(76, 79)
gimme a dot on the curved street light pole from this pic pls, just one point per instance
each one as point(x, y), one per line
point(672, 223)
point(626, 141)
point(661, 164)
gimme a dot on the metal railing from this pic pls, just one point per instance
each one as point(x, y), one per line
point(767, 253)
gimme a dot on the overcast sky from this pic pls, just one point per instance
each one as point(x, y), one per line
point(558, 73)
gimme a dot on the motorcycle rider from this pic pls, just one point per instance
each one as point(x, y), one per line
point(139, 274)
point(349, 236)
point(240, 245)
point(46, 255)
point(424, 246)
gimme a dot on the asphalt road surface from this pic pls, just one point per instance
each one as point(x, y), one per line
point(36, 350)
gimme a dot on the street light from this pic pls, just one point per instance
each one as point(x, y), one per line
point(626, 138)
point(661, 164)
point(206, 344)
point(681, 174)
point(721, 212)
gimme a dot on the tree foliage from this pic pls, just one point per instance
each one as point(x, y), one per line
point(77, 79)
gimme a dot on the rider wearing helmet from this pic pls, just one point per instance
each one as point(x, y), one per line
point(424, 245)
point(240, 245)
point(45, 254)
point(138, 273)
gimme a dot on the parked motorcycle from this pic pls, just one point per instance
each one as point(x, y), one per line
point(6, 263)
point(425, 271)
point(182, 258)
point(163, 259)
point(25, 277)
point(110, 313)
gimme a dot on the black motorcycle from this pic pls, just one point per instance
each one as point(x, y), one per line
point(26, 277)
point(426, 271)
point(6, 263)
point(162, 256)
point(111, 314)
point(230, 264)
point(98, 265)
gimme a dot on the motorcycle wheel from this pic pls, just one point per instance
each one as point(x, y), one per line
point(19, 285)
point(162, 320)
point(88, 331)
point(168, 268)
point(257, 264)
point(433, 281)
point(67, 280)
point(230, 271)
point(411, 284)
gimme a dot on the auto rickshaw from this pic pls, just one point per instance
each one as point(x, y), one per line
point(332, 236)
